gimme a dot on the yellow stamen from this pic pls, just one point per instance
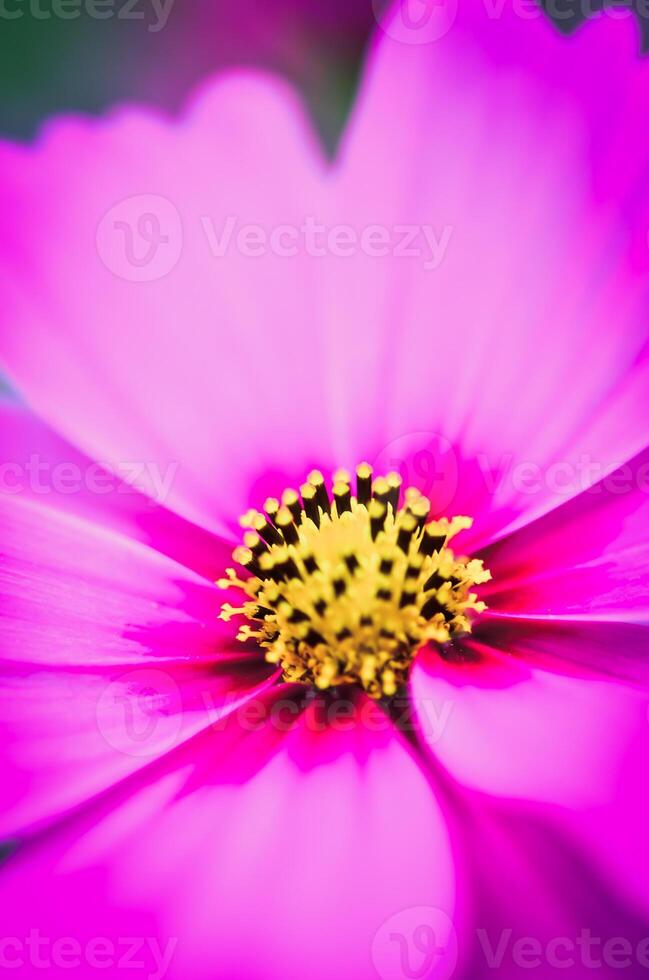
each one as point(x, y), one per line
point(345, 587)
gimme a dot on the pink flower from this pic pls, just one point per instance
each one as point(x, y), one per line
point(209, 310)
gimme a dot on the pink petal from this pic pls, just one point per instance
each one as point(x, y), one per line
point(195, 360)
point(518, 730)
point(610, 649)
point(78, 594)
point(268, 853)
point(543, 907)
point(110, 656)
point(596, 737)
point(40, 465)
point(529, 152)
point(70, 734)
point(587, 560)
point(615, 837)
point(536, 168)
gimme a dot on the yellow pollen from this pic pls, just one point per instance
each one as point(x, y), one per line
point(344, 588)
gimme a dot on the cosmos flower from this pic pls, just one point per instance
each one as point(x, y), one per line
point(406, 735)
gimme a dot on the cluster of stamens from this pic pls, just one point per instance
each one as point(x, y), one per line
point(346, 588)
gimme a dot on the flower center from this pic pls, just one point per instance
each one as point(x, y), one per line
point(345, 588)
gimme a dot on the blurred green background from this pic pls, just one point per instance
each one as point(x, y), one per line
point(58, 55)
